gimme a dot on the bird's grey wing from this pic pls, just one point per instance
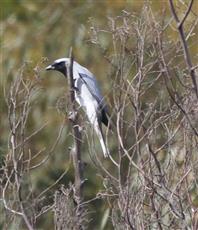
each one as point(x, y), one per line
point(92, 86)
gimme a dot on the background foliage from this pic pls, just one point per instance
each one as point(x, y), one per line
point(33, 34)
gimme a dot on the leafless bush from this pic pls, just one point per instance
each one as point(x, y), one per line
point(17, 195)
point(65, 210)
point(153, 106)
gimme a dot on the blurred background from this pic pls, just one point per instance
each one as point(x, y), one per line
point(33, 34)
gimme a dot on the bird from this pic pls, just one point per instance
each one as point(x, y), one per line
point(87, 95)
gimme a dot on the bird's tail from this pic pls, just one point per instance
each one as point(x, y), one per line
point(100, 135)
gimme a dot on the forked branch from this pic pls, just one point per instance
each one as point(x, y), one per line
point(180, 23)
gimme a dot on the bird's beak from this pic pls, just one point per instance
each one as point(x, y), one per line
point(50, 67)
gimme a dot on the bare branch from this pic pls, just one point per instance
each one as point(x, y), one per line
point(76, 151)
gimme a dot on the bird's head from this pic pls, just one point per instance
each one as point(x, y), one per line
point(59, 65)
